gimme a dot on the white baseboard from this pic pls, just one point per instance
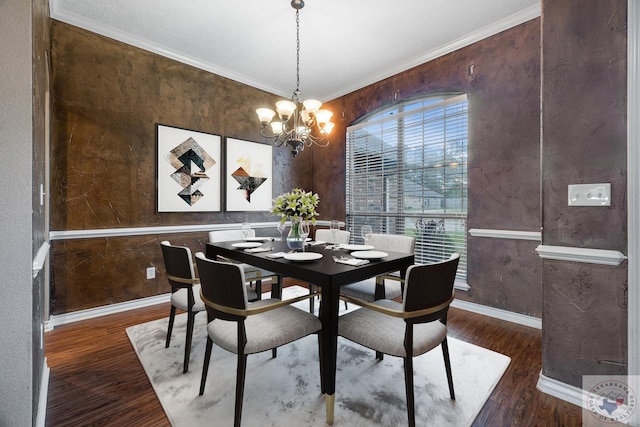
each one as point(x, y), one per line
point(44, 392)
point(497, 313)
point(90, 313)
point(562, 391)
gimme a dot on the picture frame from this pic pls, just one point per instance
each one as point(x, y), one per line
point(248, 176)
point(188, 170)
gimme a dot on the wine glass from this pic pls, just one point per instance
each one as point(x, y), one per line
point(246, 228)
point(281, 226)
point(304, 232)
point(335, 226)
point(367, 231)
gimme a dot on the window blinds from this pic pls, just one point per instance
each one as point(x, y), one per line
point(407, 174)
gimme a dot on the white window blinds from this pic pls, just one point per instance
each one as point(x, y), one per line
point(407, 174)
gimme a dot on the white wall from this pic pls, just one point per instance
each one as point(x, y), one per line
point(15, 213)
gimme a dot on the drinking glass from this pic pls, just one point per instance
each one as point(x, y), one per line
point(246, 228)
point(304, 232)
point(281, 226)
point(335, 226)
point(367, 231)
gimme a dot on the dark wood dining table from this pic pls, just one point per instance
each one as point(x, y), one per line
point(324, 273)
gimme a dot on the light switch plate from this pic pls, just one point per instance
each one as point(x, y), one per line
point(590, 194)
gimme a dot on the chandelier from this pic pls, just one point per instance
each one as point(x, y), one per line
point(302, 123)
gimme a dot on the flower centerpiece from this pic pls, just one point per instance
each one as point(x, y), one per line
point(297, 205)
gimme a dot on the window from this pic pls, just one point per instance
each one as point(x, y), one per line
point(407, 174)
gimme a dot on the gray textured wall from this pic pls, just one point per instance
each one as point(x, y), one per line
point(584, 141)
point(504, 155)
point(15, 214)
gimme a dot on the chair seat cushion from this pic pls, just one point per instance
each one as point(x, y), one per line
point(180, 299)
point(385, 333)
point(266, 330)
point(365, 289)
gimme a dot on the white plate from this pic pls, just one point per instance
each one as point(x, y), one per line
point(257, 239)
point(356, 247)
point(369, 254)
point(246, 244)
point(302, 256)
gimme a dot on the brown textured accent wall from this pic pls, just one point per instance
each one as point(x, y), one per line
point(504, 155)
point(107, 98)
point(584, 141)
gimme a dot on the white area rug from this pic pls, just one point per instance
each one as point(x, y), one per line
point(286, 391)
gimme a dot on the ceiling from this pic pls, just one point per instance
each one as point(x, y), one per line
point(344, 44)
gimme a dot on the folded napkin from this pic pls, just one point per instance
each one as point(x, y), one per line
point(275, 255)
point(258, 249)
point(317, 242)
point(353, 261)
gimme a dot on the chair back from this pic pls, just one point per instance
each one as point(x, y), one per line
point(430, 285)
point(393, 243)
point(223, 284)
point(177, 263)
point(228, 235)
point(324, 234)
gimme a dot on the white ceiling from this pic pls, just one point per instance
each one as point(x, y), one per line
point(344, 44)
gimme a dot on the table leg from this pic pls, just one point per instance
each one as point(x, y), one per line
point(329, 318)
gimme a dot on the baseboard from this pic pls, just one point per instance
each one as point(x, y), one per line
point(497, 313)
point(562, 391)
point(91, 313)
point(44, 393)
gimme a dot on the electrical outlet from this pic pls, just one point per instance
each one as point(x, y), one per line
point(151, 273)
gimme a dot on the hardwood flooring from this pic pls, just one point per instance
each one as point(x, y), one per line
point(97, 380)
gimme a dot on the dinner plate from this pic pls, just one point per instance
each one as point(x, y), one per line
point(246, 244)
point(303, 256)
point(369, 254)
point(257, 239)
point(356, 247)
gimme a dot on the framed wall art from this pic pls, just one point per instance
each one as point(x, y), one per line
point(249, 175)
point(189, 168)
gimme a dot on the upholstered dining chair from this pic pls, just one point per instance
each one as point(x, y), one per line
point(254, 275)
point(185, 291)
point(411, 328)
point(325, 235)
point(390, 285)
point(244, 328)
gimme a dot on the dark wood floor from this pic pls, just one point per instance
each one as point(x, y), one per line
point(96, 379)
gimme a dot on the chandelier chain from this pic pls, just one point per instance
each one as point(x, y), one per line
point(297, 92)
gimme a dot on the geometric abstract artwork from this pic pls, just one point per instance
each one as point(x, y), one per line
point(189, 165)
point(249, 175)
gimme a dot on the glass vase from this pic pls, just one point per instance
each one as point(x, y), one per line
point(294, 240)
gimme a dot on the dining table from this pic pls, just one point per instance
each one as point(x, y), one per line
point(324, 273)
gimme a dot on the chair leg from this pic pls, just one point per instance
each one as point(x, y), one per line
point(259, 289)
point(187, 346)
point(311, 300)
point(447, 366)
point(274, 352)
point(408, 380)
point(240, 375)
point(205, 366)
point(172, 315)
point(379, 355)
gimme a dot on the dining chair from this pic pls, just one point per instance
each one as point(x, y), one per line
point(254, 275)
point(185, 291)
point(387, 286)
point(411, 328)
point(325, 235)
point(242, 327)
